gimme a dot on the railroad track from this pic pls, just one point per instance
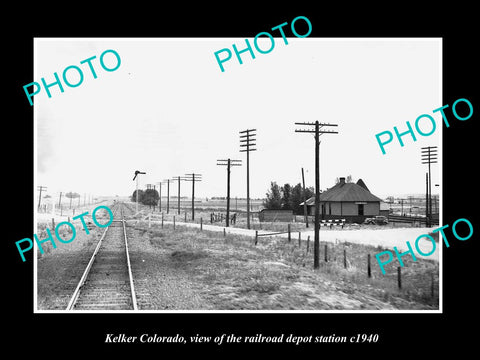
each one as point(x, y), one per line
point(107, 282)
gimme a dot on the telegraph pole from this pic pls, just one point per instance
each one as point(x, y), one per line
point(247, 140)
point(317, 131)
point(193, 178)
point(178, 179)
point(429, 156)
point(40, 188)
point(168, 194)
point(136, 192)
point(427, 220)
point(228, 163)
point(160, 196)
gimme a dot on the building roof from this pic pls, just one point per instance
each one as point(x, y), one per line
point(347, 192)
point(362, 184)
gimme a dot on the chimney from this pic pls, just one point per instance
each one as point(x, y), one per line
point(342, 180)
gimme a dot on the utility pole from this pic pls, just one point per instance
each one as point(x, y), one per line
point(427, 221)
point(228, 163)
point(304, 200)
point(178, 179)
point(60, 200)
point(317, 131)
point(247, 140)
point(136, 192)
point(168, 194)
point(40, 188)
point(429, 156)
point(193, 178)
point(160, 196)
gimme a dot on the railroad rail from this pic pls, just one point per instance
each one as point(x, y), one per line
point(107, 282)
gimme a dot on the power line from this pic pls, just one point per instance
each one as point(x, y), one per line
point(40, 188)
point(228, 163)
point(168, 193)
point(317, 132)
point(159, 196)
point(247, 142)
point(178, 179)
point(429, 156)
point(193, 178)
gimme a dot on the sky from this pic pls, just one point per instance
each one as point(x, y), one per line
point(168, 110)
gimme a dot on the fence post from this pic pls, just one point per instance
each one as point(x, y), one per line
point(308, 243)
point(211, 218)
point(173, 222)
point(53, 223)
point(224, 233)
point(299, 238)
point(345, 258)
point(289, 234)
point(369, 269)
point(326, 250)
point(399, 276)
point(162, 219)
point(201, 224)
point(256, 237)
point(149, 220)
point(185, 216)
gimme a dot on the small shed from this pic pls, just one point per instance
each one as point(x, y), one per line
point(267, 215)
point(384, 208)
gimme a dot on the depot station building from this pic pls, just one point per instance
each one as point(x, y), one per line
point(350, 201)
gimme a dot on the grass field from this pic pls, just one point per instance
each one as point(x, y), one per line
point(232, 273)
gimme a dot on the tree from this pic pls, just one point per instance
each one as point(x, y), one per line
point(297, 199)
point(274, 199)
point(286, 197)
point(150, 197)
point(72, 195)
point(140, 196)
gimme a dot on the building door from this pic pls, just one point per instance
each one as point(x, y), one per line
point(360, 209)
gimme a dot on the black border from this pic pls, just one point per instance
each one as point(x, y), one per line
point(398, 332)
